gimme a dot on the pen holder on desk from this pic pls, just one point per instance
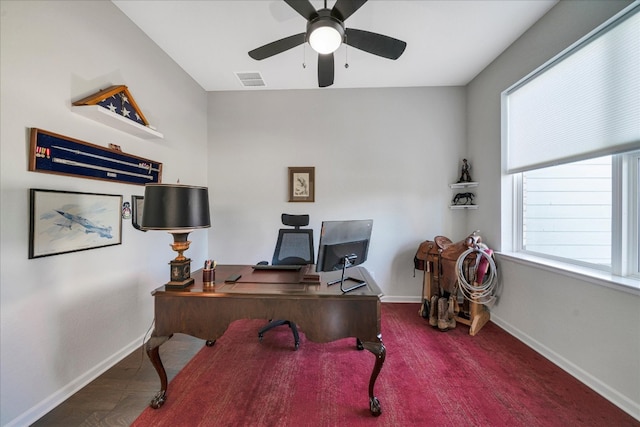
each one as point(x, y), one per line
point(208, 276)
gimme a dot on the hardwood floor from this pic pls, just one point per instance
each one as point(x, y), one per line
point(118, 397)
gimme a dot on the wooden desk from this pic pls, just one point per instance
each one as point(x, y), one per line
point(322, 312)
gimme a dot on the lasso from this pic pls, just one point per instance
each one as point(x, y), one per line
point(480, 293)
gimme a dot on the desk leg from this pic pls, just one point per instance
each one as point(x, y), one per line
point(153, 351)
point(378, 349)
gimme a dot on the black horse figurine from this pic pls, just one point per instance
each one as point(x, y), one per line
point(465, 198)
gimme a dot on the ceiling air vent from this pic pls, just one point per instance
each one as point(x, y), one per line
point(250, 79)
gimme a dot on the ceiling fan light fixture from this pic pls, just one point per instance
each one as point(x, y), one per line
point(326, 32)
point(325, 35)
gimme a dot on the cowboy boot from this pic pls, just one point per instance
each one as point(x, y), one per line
point(443, 314)
point(433, 311)
point(451, 315)
point(446, 316)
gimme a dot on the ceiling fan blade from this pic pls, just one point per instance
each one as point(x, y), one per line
point(375, 43)
point(325, 70)
point(304, 8)
point(277, 46)
point(345, 8)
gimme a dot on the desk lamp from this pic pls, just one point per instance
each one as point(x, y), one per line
point(176, 209)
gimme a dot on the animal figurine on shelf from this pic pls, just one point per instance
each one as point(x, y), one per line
point(463, 199)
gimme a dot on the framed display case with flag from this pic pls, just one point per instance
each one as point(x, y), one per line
point(118, 100)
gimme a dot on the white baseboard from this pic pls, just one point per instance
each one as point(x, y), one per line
point(46, 405)
point(627, 405)
point(414, 299)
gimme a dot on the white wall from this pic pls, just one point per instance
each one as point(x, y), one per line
point(65, 318)
point(384, 154)
point(589, 330)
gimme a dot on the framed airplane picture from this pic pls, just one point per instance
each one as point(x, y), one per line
point(67, 221)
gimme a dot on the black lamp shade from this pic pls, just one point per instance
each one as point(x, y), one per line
point(175, 207)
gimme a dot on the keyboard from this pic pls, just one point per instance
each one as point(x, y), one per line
point(277, 267)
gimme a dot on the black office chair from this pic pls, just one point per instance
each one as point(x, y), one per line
point(294, 247)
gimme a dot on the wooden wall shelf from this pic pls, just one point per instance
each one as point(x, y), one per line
point(116, 121)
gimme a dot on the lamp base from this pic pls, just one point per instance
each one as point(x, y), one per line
point(180, 274)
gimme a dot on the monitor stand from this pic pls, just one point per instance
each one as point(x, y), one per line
point(346, 262)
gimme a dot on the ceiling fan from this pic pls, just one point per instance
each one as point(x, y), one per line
point(326, 32)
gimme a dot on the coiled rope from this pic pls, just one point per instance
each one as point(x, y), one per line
point(480, 293)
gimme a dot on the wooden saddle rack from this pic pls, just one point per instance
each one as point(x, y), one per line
point(437, 258)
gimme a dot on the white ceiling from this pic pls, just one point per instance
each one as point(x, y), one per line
point(448, 42)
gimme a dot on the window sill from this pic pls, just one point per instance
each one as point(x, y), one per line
point(602, 278)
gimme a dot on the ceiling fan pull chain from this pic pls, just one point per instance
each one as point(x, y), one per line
point(346, 56)
point(304, 56)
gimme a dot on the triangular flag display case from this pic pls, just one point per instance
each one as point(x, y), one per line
point(115, 107)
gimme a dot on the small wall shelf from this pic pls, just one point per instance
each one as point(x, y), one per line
point(463, 185)
point(116, 121)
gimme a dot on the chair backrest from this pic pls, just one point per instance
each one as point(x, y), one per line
point(294, 245)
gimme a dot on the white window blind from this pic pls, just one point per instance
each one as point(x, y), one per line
point(582, 104)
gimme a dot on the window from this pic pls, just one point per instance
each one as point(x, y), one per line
point(566, 211)
point(571, 138)
point(635, 189)
point(583, 212)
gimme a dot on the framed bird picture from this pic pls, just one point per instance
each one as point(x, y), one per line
point(302, 184)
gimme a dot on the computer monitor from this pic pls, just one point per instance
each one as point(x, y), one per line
point(344, 244)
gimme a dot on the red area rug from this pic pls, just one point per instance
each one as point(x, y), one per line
point(429, 378)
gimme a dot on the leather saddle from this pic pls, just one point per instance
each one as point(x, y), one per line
point(442, 255)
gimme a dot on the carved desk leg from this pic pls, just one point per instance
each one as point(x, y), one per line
point(378, 349)
point(153, 351)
